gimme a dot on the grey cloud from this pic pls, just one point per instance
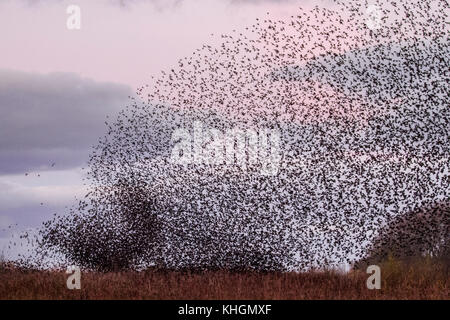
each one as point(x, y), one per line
point(52, 118)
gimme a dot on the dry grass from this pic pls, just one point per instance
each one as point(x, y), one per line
point(420, 280)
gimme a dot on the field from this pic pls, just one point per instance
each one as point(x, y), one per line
point(423, 279)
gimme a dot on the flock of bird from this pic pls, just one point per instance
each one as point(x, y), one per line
point(364, 122)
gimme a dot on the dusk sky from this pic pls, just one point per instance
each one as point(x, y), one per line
point(57, 86)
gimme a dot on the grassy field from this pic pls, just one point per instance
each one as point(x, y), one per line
point(423, 279)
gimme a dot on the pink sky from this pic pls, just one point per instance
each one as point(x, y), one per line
point(120, 44)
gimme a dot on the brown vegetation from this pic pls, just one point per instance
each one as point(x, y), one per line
point(424, 279)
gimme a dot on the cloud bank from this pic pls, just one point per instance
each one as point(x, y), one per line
point(53, 118)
